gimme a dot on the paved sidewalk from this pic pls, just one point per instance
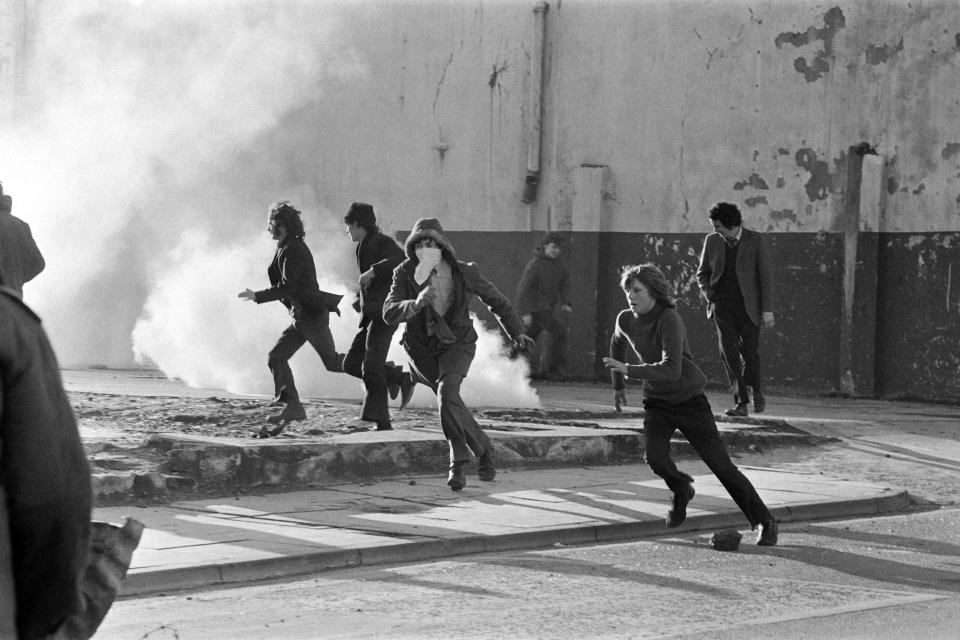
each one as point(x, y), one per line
point(413, 516)
point(221, 541)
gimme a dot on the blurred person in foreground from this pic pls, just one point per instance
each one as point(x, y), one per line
point(293, 281)
point(541, 298)
point(45, 494)
point(673, 397)
point(431, 292)
point(377, 256)
point(20, 258)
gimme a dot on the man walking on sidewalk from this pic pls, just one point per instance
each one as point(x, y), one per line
point(377, 257)
point(736, 279)
point(673, 397)
point(293, 281)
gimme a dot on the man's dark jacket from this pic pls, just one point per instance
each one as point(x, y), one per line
point(754, 272)
point(543, 284)
point(20, 259)
point(293, 280)
point(381, 253)
point(44, 475)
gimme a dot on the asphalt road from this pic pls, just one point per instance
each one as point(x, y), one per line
point(893, 577)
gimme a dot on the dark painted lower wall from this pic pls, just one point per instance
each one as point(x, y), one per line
point(917, 333)
point(799, 353)
point(918, 316)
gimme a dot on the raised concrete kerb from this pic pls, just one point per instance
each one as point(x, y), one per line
point(190, 578)
point(226, 465)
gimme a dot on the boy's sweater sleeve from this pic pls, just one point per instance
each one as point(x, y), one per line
point(618, 351)
point(670, 365)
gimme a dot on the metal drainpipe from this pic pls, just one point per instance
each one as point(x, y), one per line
point(532, 181)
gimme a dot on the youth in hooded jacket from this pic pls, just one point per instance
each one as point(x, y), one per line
point(431, 293)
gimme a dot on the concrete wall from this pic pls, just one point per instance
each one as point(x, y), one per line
point(832, 124)
point(9, 37)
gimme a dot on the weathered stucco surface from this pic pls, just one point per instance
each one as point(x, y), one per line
point(684, 103)
point(760, 104)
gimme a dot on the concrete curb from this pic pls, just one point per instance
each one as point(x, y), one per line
point(190, 578)
point(199, 465)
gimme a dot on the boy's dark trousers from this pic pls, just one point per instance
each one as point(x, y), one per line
point(694, 418)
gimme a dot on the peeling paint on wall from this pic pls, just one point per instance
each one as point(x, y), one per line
point(949, 150)
point(814, 69)
point(754, 181)
point(754, 201)
point(878, 54)
point(820, 182)
point(783, 214)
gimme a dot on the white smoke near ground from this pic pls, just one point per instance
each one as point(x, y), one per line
point(198, 330)
point(189, 332)
point(137, 122)
point(149, 140)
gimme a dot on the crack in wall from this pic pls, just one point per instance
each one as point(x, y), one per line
point(441, 145)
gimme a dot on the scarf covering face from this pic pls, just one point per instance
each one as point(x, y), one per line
point(429, 258)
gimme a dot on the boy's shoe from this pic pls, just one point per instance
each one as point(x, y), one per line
point(485, 469)
point(769, 531)
point(678, 513)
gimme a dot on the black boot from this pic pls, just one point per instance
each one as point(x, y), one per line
point(485, 469)
point(456, 479)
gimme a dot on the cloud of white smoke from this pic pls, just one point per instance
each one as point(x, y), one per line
point(150, 139)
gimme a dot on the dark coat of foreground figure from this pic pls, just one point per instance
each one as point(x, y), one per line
point(45, 495)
